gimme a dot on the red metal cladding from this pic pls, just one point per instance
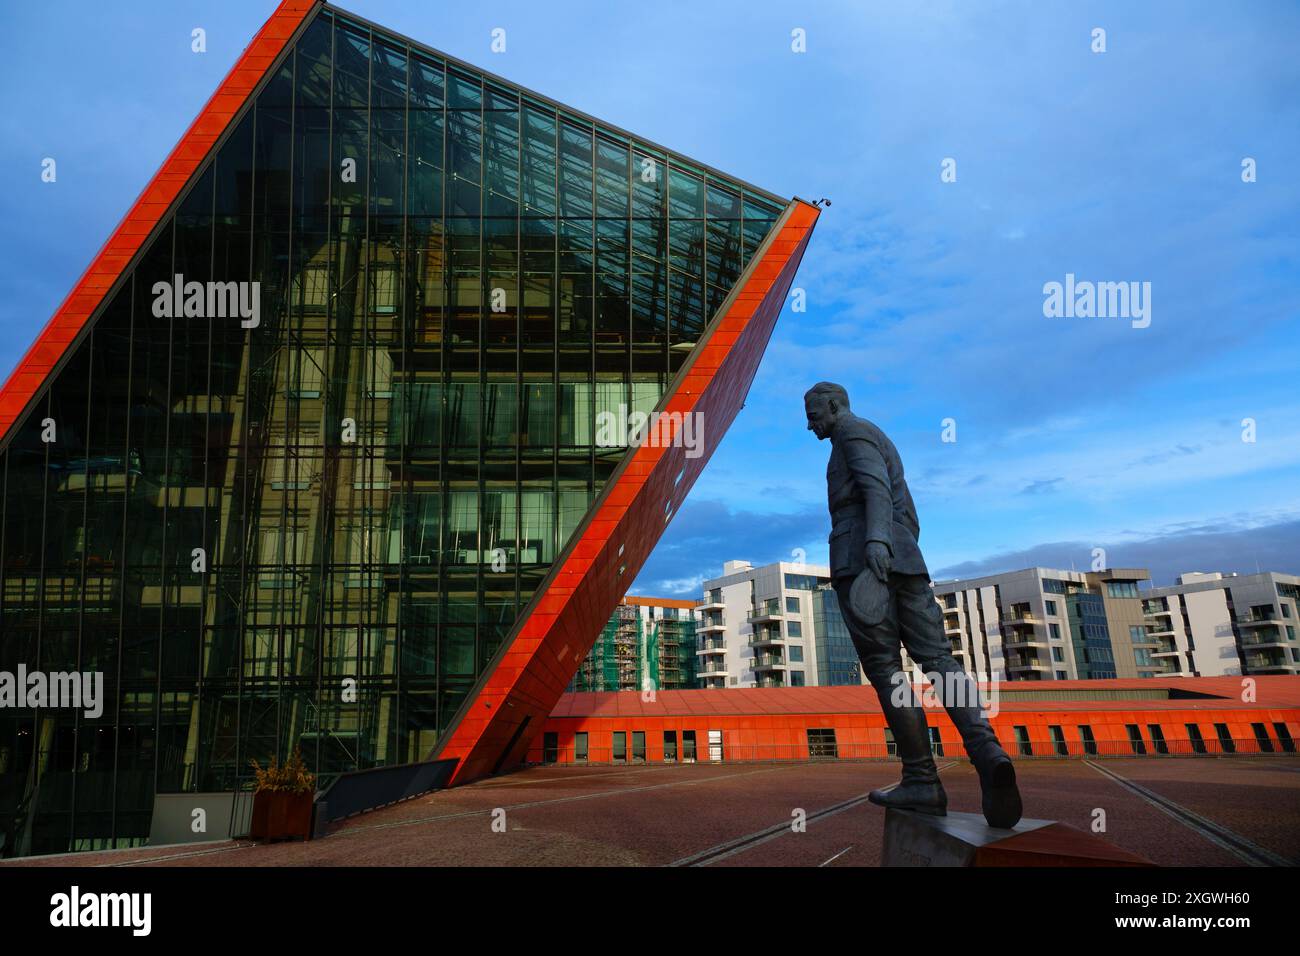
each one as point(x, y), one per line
point(773, 723)
point(512, 704)
point(149, 208)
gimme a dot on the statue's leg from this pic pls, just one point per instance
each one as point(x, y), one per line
point(878, 648)
point(920, 624)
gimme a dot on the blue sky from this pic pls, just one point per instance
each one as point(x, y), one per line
point(924, 298)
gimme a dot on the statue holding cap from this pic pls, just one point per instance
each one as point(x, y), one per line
point(887, 602)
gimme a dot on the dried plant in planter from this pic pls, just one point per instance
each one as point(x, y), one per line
point(292, 776)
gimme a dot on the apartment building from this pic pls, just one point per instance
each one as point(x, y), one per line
point(647, 644)
point(778, 625)
point(1046, 624)
point(1215, 624)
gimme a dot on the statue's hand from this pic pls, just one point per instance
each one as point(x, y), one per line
point(879, 559)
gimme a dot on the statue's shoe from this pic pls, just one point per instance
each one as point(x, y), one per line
point(1001, 796)
point(921, 797)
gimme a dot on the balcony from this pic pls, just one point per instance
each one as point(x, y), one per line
point(763, 615)
point(711, 647)
point(712, 670)
point(768, 663)
point(710, 606)
point(1021, 621)
point(1027, 664)
point(1264, 639)
point(1021, 641)
point(1255, 619)
point(767, 638)
point(711, 626)
point(1279, 663)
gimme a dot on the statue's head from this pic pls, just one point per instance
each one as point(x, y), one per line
point(824, 403)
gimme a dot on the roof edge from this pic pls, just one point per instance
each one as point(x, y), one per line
point(550, 101)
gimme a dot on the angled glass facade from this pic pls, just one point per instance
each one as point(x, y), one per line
point(837, 659)
point(314, 527)
point(1090, 634)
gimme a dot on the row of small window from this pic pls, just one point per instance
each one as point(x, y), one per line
point(821, 744)
point(620, 753)
point(1194, 743)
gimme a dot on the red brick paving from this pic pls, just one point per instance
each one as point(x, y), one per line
point(655, 815)
point(1254, 797)
point(1071, 791)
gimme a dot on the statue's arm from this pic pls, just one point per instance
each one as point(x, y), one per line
point(871, 473)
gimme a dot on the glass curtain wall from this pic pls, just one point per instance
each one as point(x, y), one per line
point(315, 532)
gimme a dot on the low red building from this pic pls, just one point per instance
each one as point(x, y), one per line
point(1104, 718)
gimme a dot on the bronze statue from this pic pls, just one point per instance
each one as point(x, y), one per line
point(887, 602)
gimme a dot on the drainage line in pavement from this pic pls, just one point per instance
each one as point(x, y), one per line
point(1221, 836)
point(751, 840)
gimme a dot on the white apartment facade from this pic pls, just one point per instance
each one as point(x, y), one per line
point(767, 626)
point(758, 627)
point(1007, 626)
point(1212, 625)
point(1049, 624)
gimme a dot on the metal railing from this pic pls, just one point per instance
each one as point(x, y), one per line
point(1259, 617)
point(360, 790)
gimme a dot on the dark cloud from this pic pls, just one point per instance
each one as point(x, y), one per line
point(1041, 487)
point(1273, 547)
point(1178, 451)
point(706, 533)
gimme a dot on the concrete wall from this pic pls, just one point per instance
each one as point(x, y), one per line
point(1215, 642)
point(227, 815)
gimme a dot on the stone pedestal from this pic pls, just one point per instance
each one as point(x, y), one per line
point(964, 839)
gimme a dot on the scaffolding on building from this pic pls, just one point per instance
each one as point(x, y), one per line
point(640, 652)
